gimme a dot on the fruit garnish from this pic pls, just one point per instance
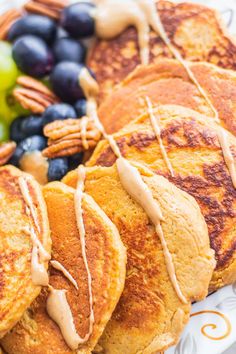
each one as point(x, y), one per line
point(77, 20)
point(68, 49)
point(36, 25)
point(80, 107)
point(65, 81)
point(4, 131)
point(8, 68)
point(58, 111)
point(24, 127)
point(33, 56)
point(33, 143)
point(57, 168)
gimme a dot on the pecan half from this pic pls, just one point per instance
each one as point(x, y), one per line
point(33, 94)
point(68, 137)
point(6, 21)
point(50, 8)
point(6, 151)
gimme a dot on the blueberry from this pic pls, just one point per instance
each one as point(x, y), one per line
point(15, 159)
point(36, 25)
point(57, 168)
point(78, 21)
point(59, 111)
point(65, 81)
point(33, 143)
point(24, 127)
point(80, 107)
point(67, 49)
point(16, 133)
point(33, 56)
point(32, 125)
point(75, 160)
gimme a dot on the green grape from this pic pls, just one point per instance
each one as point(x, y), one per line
point(5, 48)
point(9, 108)
point(8, 68)
point(4, 131)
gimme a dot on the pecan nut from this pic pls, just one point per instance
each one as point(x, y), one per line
point(70, 136)
point(6, 21)
point(50, 8)
point(33, 95)
point(6, 151)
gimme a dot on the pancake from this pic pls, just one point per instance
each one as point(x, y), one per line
point(150, 316)
point(196, 30)
point(36, 332)
point(167, 82)
point(199, 168)
point(17, 291)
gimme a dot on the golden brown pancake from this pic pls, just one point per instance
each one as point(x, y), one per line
point(195, 30)
point(167, 82)
point(36, 332)
point(17, 290)
point(150, 317)
point(199, 167)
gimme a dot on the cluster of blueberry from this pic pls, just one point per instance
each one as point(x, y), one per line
point(53, 52)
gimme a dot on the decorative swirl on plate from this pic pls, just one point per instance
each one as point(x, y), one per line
point(214, 326)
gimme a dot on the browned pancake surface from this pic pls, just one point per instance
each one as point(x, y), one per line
point(194, 29)
point(150, 316)
point(167, 82)
point(196, 156)
point(16, 288)
point(36, 332)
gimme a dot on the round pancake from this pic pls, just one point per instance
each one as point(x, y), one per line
point(17, 290)
point(195, 30)
point(150, 317)
point(36, 332)
point(167, 82)
point(199, 167)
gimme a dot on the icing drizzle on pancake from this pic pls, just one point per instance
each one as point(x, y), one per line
point(130, 177)
point(157, 130)
point(59, 310)
point(38, 255)
point(78, 198)
point(57, 265)
point(84, 123)
point(112, 17)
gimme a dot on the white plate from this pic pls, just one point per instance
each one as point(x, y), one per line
point(212, 327)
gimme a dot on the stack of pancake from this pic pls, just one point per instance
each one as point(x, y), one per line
point(136, 307)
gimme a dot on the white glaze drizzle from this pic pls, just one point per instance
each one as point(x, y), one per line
point(133, 183)
point(27, 198)
point(224, 143)
point(57, 265)
point(114, 16)
point(126, 173)
point(58, 307)
point(78, 198)
point(39, 255)
point(59, 310)
point(39, 273)
point(83, 132)
point(157, 130)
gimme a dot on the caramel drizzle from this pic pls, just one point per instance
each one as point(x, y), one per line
point(78, 198)
point(157, 130)
point(38, 255)
point(58, 266)
point(224, 143)
point(127, 173)
point(84, 124)
point(143, 14)
point(59, 310)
